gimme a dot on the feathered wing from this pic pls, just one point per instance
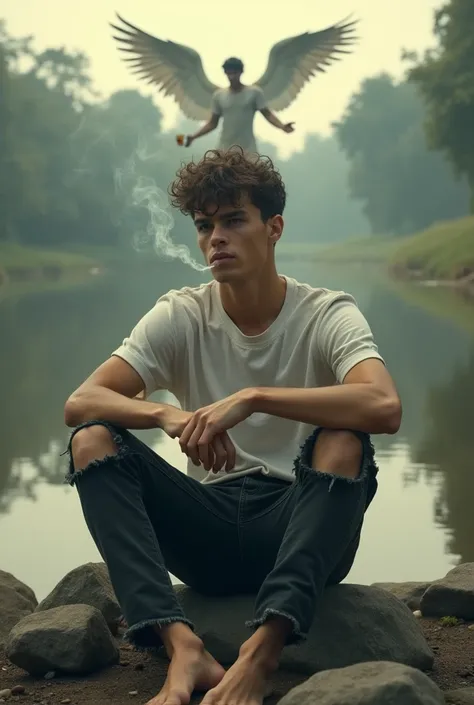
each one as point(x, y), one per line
point(175, 68)
point(293, 61)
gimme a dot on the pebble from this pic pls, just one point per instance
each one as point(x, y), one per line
point(417, 614)
point(5, 694)
point(66, 701)
point(139, 666)
point(133, 692)
point(125, 663)
point(18, 689)
point(471, 627)
point(49, 675)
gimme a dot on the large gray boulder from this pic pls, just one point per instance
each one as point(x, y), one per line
point(72, 639)
point(352, 624)
point(451, 596)
point(9, 580)
point(463, 696)
point(88, 584)
point(410, 593)
point(14, 605)
point(379, 683)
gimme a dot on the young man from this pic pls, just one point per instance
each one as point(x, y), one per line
point(267, 370)
point(237, 106)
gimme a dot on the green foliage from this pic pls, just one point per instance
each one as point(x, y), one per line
point(445, 77)
point(403, 186)
point(449, 621)
point(443, 251)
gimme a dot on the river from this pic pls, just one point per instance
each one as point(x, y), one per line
point(421, 523)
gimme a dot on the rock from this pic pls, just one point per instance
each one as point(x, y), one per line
point(18, 689)
point(10, 581)
point(5, 693)
point(70, 639)
point(88, 584)
point(375, 683)
point(352, 624)
point(451, 596)
point(13, 607)
point(463, 696)
point(409, 593)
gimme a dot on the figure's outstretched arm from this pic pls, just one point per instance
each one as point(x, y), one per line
point(276, 122)
point(208, 126)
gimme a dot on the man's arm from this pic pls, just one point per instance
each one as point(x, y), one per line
point(109, 394)
point(276, 122)
point(209, 126)
point(366, 401)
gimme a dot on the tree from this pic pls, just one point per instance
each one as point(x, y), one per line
point(403, 186)
point(445, 77)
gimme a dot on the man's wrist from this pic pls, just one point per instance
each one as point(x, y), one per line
point(255, 397)
point(157, 414)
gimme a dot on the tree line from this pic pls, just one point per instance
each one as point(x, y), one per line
point(400, 157)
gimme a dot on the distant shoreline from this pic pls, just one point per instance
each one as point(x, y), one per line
point(441, 256)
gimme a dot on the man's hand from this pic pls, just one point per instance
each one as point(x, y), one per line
point(288, 127)
point(189, 140)
point(220, 451)
point(205, 434)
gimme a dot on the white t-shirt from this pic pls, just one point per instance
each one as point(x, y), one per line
point(238, 110)
point(188, 345)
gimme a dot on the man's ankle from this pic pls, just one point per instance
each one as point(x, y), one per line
point(177, 637)
point(267, 642)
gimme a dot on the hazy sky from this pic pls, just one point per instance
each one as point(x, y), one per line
point(250, 30)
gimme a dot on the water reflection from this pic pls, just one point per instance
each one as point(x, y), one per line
point(422, 521)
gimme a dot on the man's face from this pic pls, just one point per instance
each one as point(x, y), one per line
point(236, 242)
point(233, 76)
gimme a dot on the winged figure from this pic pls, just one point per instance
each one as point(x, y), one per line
point(178, 71)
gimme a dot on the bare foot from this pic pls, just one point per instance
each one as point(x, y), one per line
point(190, 669)
point(245, 683)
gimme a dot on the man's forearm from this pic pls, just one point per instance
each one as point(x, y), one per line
point(273, 119)
point(102, 404)
point(359, 407)
point(204, 130)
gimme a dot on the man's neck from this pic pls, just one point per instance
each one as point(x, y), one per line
point(253, 307)
point(237, 88)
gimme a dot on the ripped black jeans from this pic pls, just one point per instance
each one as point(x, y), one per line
point(283, 541)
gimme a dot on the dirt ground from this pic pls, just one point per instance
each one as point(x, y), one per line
point(139, 675)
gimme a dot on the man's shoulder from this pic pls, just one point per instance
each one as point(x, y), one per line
point(187, 296)
point(187, 303)
point(319, 298)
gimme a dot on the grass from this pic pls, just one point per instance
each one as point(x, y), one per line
point(443, 251)
point(13, 256)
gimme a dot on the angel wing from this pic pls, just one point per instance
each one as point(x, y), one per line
point(175, 68)
point(293, 61)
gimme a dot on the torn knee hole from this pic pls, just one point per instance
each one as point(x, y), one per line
point(91, 443)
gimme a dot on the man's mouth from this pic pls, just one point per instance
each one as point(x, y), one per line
point(220, 257)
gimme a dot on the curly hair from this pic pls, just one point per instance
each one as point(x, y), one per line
point(222, 177)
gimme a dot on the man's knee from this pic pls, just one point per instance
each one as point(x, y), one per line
point(91, 443)
point(338, 451)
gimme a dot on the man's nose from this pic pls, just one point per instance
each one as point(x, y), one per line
point(219, 234)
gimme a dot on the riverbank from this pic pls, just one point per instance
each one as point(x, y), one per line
point(69, 648)
point(24, 269)
point(440, 256)
point(139, 676)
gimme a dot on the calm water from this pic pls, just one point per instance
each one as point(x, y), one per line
point(421, 523)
